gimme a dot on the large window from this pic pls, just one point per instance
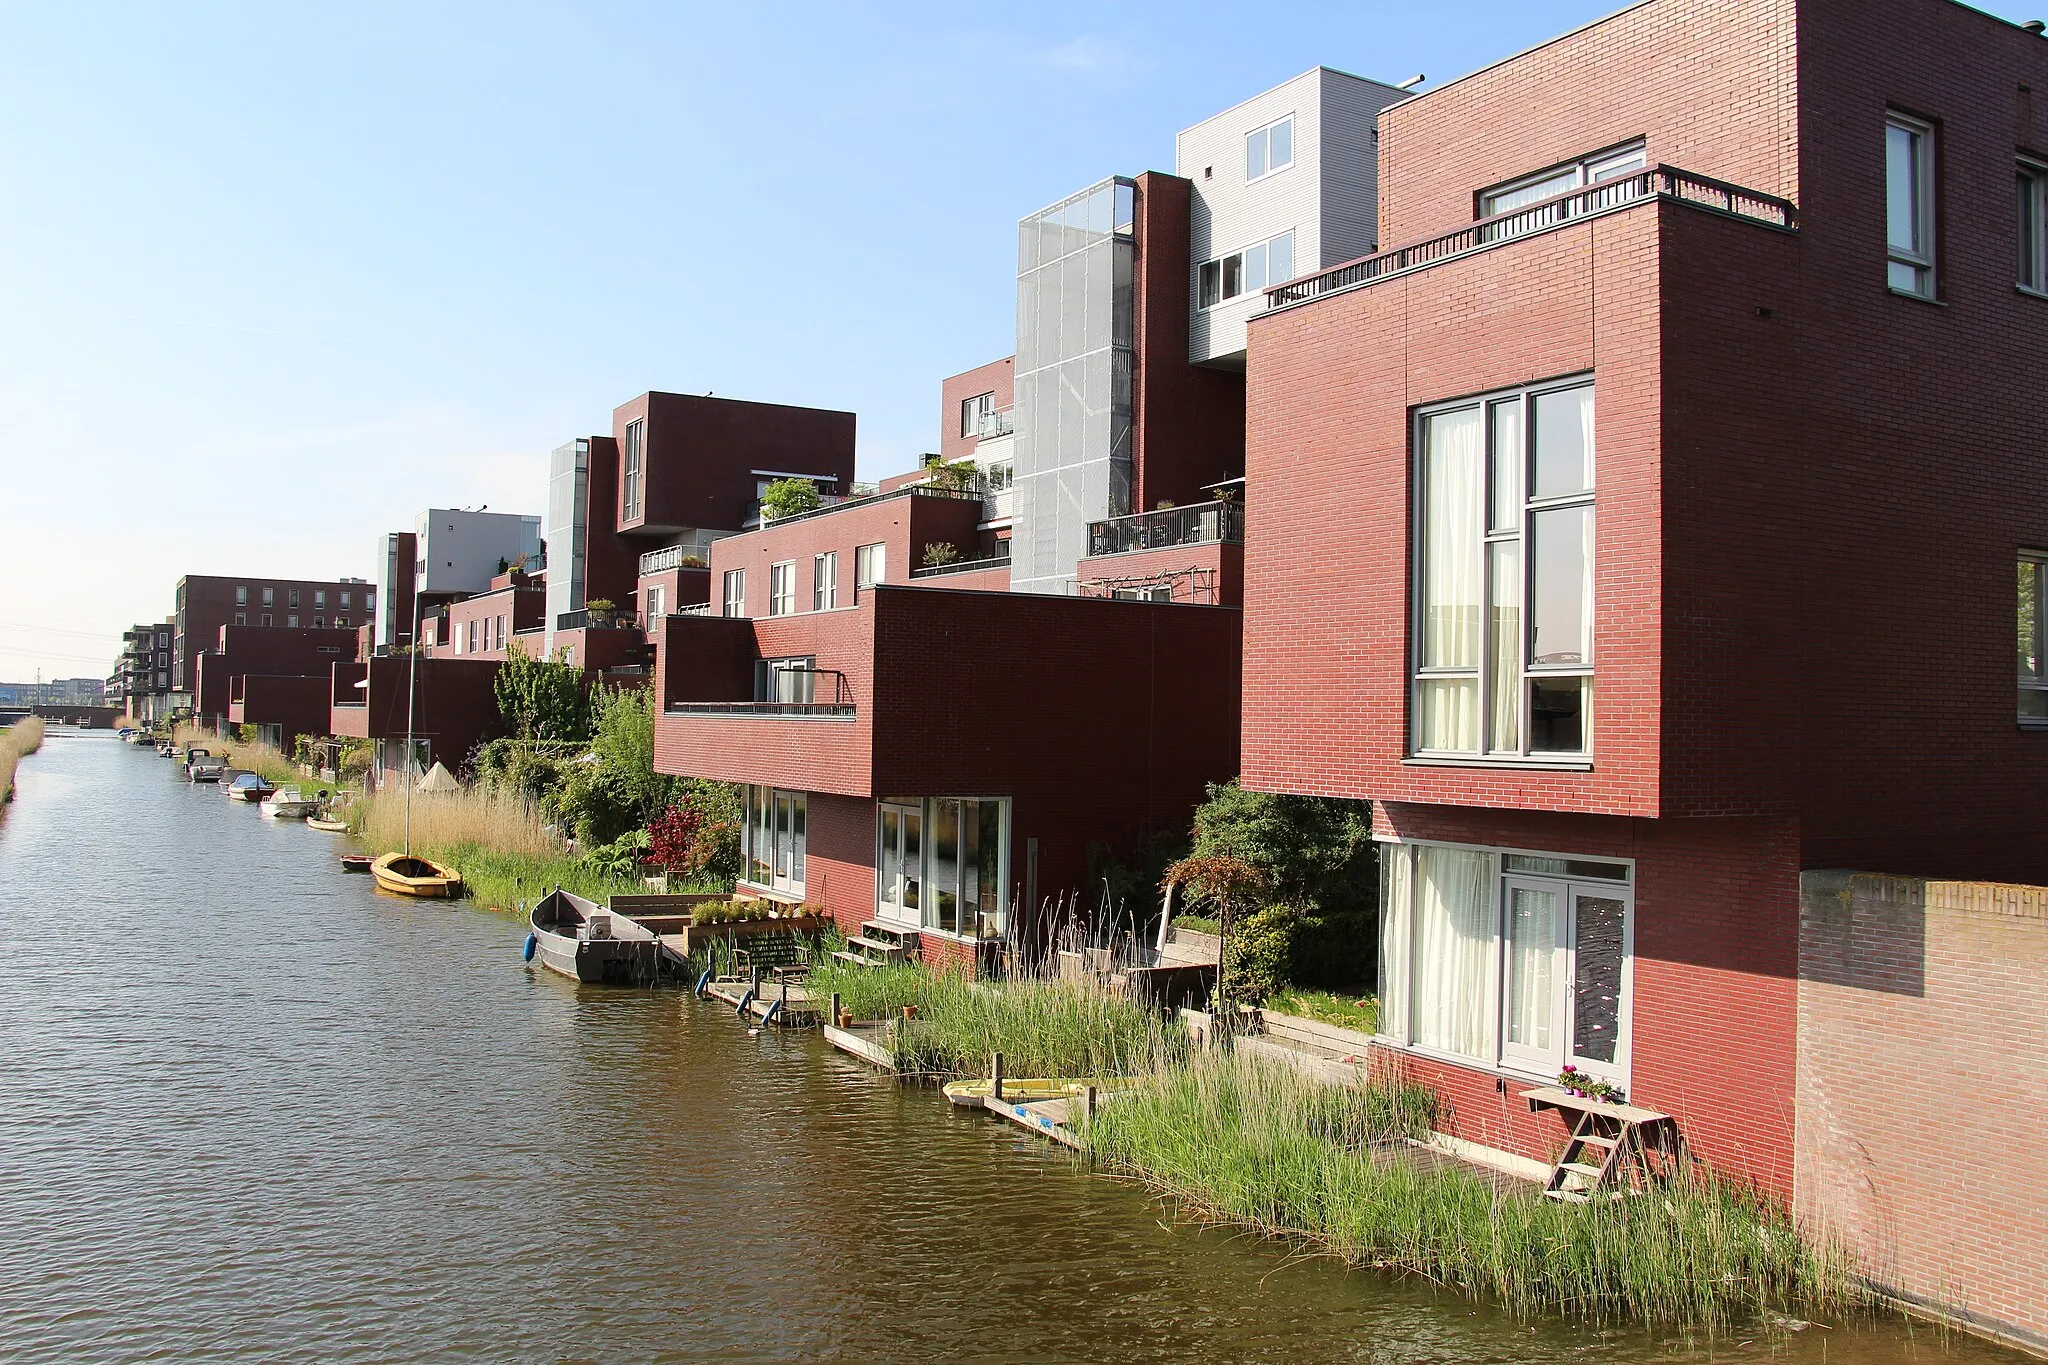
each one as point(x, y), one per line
point(1909, 205)
point(1245, 272)
point(977, 414)
point(654, 603)
point(735, 592)
point(939, 864)
point(1516, 961)
point(1504, 604)
point(1590, 170)
point(870, 565)
point(2032, 224)
point(775, 839)
point(825, 581)
point(782, 588)
point(2033, 640)
point(1269, 149)
point(241, 597)
point(630, 483)
point(790, 681)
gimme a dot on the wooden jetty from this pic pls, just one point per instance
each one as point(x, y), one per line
point(782, 999)
point(868, 1041)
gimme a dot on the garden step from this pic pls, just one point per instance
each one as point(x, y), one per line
point(854, 958)
point(1596, 1140)
point(879, 945)
point(1580, 1168)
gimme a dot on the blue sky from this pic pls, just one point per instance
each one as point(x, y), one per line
point(277, 276)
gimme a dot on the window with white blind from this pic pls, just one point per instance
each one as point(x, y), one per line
point(735, 592)
point(1507, 960)
point(782, 588)
point(1503, 623)
point(825, 581)
point(870, 565)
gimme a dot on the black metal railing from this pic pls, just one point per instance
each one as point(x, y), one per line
point(1200, 524)
point(808, 707)
point(1658, 182)
point(586, 619)
point(1000, 561)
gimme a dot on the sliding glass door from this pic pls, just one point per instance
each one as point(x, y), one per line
point(939, 865)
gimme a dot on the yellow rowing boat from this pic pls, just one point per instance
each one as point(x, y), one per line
point(411, 875)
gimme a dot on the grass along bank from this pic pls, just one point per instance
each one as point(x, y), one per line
point(1252, 1144)
point(264, 759)
point(495, 838)
point(17, 741)
point(1042, 1028)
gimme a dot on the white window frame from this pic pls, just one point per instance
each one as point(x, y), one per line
point(1482, 672)
point(825, 581)
point(291, 622)
point(1244, 272)
point(2031, 227)
point(653, 612)
point(974, 919)
point(1592, 169)
point(976, 413)
point(1914, 263)
point(635, 455)
point(1399, 948)
point(779, 854)
point(242, 596)
point(2033, 685)
point(735, 599)
point(782, 588)
point(1264, 133)
point(319, 599)
point(870, 565)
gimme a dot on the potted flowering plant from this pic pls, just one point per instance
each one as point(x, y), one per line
point(1576, 1082)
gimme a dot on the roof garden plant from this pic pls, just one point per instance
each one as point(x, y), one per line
point(789, 498)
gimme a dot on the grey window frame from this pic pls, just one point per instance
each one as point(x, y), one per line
point(782, 588)
point(825, 580)
point(2035, 685)
point(1484, 755)
point(734, 600)
point(2031, 227)
point(634, 458)
point(1925, 178)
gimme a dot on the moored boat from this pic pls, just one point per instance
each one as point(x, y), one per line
point(250, 787)
point(322, 822)
point(356, 862)
point(205, 768)
point(407, 874)
point(289, 803)
point(586, 942)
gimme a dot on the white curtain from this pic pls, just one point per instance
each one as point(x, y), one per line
point(1396, 883)
point(1447, 709)
point(1505, 722)
point(1454, 933)
point(1535, 929)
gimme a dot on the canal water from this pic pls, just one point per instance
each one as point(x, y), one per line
point(252, 1109)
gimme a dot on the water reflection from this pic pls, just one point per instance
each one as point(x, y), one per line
point(252, 1107)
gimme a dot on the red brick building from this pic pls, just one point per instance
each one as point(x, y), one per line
point(1609, 706)
point(207, 602)
point(275, 678)
point(449, 706)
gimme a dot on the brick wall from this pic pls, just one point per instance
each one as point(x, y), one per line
point(297, 704)
point(1923, 1128)
point(1711, 85)
point(906, 523)
point(701, 455)
point(996, 377)
point(1188, 429)
point(1715, 986)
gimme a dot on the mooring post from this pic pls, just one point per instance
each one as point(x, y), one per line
point(835, 1009)
point(995, 1071)
point(1090, 1105)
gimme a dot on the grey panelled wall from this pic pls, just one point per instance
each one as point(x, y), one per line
point(1324, 197)
point(1072, 462)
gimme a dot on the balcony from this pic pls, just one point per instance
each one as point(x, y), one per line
point(799, 687)
point(1001, 561)
point(1000, 422)
point(1659, 182)
point(1203, 523)
point(670, 557)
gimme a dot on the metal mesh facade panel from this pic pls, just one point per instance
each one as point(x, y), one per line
point(1073, 380)
point(568, 530)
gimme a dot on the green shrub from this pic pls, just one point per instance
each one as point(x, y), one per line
point(788, 498)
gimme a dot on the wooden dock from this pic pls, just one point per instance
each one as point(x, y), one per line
point(786, 1003)
point(867, 1041)
point(1047, 1118)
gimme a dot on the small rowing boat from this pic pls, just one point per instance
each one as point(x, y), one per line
point(407, 874)
point(356, 862)
point(585, 942)
point(321, 822)
point(1027, 1089)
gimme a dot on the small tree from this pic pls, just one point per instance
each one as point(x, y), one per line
point(940, 552)
point(788, 497)
point(1227, 882)
point(541, 700)
point(954, 475)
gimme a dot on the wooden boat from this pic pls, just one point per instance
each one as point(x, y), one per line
point(357, 862)
point(288, 803)
point(321, 822)
point(411, 875)
point(1021, 1090)
point(250, 787)
point(585, 942)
